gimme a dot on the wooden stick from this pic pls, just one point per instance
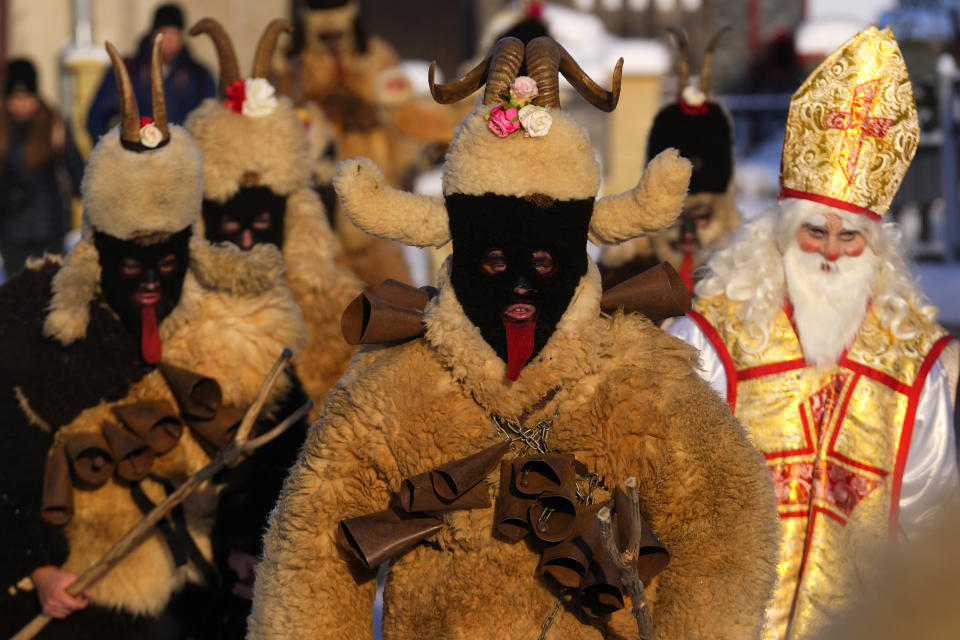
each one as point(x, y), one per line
point(626, 561)
point(132, 538)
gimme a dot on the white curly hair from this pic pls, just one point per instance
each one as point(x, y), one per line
point(751, 270)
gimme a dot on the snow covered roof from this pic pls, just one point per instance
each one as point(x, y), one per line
point(821, 36)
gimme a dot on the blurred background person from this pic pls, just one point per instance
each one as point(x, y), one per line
point(186, 82)
point(41, 168)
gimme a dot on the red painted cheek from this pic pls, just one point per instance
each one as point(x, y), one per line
point(856, 251)
point(810, 245)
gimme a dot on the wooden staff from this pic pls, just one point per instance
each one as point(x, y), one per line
point(241, 445)
point(626, 560)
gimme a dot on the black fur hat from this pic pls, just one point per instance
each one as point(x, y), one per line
point(699, 128)
point(702, 136)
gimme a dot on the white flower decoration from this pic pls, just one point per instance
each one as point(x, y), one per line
point(693, 96)
point(535, 120)
point(259, 98)
point(150, 136)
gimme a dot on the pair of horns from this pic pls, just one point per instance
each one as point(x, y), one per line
point(683, 57)
point(229, 69)
point(545, 59)
point(129, 112)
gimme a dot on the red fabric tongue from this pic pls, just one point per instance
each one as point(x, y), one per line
point(149, 336)
point(519, 345)
point(686, 270)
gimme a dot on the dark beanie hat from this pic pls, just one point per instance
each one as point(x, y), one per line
point(21, 77)
point(325, 4)
point(168, 15)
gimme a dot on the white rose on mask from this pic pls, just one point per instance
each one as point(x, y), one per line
point(535, 120)
point(259, 98)
point(693, 96)
point(150, 136)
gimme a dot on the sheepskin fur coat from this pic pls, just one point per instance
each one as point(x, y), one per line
point(628, 403)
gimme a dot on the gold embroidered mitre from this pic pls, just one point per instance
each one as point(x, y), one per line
point(852, 129)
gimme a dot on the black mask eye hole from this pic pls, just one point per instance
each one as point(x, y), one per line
point(262, 221)
point(167, 265)
point(493, 262)
point(701, 214)
point(543, 262)
point(229, 225)
point(130, 268)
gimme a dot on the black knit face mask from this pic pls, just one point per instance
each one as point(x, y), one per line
point(516, 264)
point(142, 283)
point(253, 215)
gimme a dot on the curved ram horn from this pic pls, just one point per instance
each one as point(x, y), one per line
point(129, 113)
point(683, 57)
point(416, 220)
point(229, 71)
point(706, 67)
point(268, 42)
point(505, 61)
point(594, 93)
point(546, 58)
point(159, 99)
point(543, 65)
point(498, 70)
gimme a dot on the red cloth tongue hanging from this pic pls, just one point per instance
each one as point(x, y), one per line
point(686, 269)
point(149, 336)
point(519, 345)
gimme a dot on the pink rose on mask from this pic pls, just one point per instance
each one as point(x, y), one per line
point(502, 121)
point(523, 90)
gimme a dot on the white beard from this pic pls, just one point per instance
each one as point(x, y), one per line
point(828, 306)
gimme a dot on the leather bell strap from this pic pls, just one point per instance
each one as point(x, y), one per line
point(393, 313)
point(381, 536)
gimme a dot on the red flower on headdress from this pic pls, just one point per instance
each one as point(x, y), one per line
point(145, 120)
point(236, 94)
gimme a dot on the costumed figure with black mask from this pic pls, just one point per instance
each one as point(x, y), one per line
point(484, 448)
point(701, 130)
point(336, 64)
point(123, 368)
point(257, 191)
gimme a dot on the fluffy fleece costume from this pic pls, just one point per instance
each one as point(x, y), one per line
point(270, 150)
point(69, 357)
point(624, 397)
point(340, 68)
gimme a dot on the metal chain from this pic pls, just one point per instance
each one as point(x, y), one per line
point(534, 438)
point(551, 617)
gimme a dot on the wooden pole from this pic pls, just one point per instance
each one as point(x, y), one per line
point(240, 445)
point(626, 561)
